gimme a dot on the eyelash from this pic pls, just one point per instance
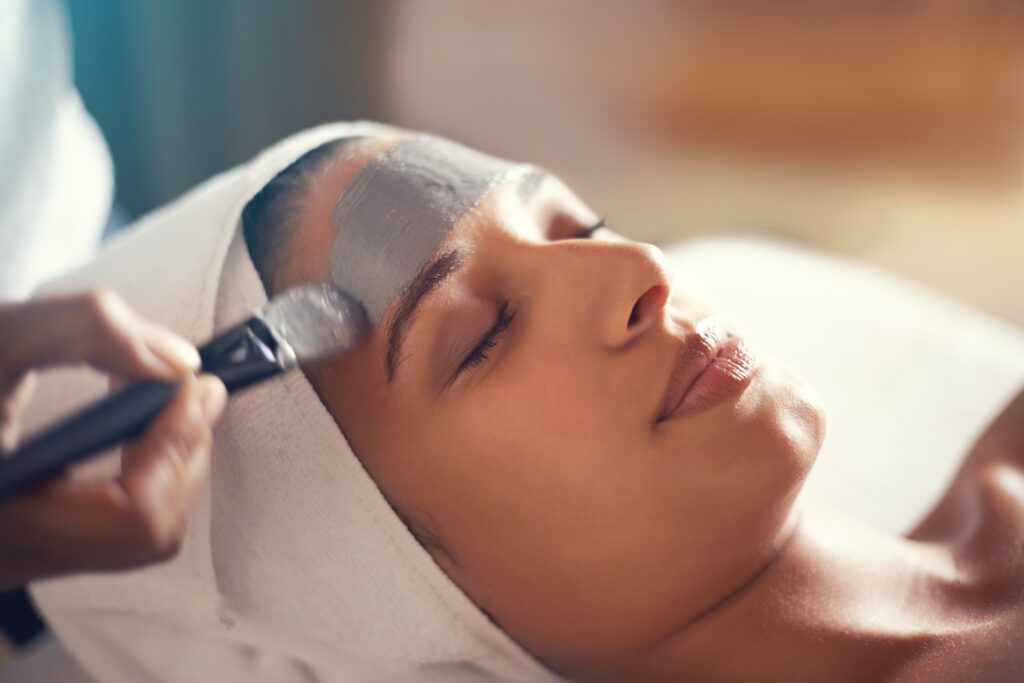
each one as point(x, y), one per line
point(587, 233)
point(479, 354)
point(505, 317)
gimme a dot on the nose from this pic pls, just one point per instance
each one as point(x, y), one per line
point(639, 287)
point(615, 291)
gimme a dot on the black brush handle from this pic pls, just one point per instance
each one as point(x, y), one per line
point(241, 357)
point(123, 415)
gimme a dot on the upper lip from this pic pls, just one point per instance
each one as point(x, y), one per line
point(696, 351)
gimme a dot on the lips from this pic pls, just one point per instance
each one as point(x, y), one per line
point(710, 367)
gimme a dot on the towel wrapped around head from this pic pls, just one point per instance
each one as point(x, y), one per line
point(294, 567)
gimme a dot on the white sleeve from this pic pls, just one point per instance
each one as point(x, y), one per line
point(56, 175)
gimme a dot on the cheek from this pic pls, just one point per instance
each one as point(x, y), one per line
point(533, 443)
point(529, 462)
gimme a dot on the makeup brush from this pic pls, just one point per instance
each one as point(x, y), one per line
point(299, 325)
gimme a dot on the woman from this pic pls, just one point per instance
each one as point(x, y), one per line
point(610, 475)
point(578, 445)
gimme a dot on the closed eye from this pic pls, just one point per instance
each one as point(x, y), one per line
point(490, 340)
point(506, 316)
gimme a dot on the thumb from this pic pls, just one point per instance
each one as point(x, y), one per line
point(141, 517)
point(163, 471)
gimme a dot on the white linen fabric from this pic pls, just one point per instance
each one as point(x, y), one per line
point(294, 567)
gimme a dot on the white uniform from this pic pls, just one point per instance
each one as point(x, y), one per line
point(56, 176)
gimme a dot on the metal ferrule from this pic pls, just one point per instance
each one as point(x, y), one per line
point(247, 353)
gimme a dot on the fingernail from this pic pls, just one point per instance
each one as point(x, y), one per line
point(173, 351)
point(212, 398)
point(183, 351)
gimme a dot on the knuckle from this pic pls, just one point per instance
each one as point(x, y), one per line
point(100, 301)
point(100, 305)
point(188, 439)
point(110, 319)
point(159, 535)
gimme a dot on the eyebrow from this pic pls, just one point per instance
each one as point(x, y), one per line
point(434, 275)
point(430, 278)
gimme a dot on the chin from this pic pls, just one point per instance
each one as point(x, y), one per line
point(808, 412)
point(790, 428)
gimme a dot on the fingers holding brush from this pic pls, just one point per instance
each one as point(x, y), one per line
point(97, 328)
point(71, 526)
point(74, 526)
point(163, 471)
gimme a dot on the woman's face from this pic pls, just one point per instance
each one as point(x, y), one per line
point(522, 432)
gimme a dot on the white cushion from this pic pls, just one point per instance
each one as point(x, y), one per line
point(916, 378)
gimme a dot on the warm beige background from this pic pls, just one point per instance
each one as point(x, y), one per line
point(889, 132)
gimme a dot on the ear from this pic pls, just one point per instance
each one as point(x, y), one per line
point(429, 536)
point(462, 577)
point(444, 559)
point(438, 549)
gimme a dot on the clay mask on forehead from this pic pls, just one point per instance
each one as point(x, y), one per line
point(399, 209)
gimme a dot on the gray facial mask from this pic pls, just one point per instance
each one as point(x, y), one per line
point(398, 211)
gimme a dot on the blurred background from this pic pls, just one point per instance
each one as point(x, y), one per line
point(886, 131)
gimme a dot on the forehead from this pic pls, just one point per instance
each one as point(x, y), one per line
point(398, 211)
point(306, 252)
point(375, 214)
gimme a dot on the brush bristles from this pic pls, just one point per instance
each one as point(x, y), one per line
point(317, 320)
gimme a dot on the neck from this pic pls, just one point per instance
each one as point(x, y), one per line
point(840, 597)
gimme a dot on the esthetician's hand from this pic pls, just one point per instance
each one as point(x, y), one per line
point(139, 517)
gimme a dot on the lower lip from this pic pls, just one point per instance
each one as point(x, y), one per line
point(724, 379)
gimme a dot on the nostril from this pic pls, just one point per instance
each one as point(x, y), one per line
point(634, 315)
point(648, 304)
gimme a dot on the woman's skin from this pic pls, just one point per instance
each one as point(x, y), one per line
point(618, 548)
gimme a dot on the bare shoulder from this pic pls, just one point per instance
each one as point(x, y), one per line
point(990, 482)
point(985, 658)
point(981, 517)
point(1004, 437)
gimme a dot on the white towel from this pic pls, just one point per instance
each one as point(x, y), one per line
point(294, 567)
